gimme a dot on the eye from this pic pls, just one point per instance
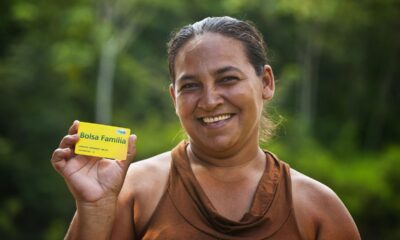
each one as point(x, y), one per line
point(189, 86)
point(229, 79)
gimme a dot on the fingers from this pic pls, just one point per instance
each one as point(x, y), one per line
point(59, 158)
point(69, 141)
point(72, 138)
point(65, 149)
point(74, 128)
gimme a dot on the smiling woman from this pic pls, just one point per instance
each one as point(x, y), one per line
point(219, 184)
point(218, 95)
point(250, 38)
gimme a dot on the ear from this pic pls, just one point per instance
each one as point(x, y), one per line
point(268, 82)
point(172, 93)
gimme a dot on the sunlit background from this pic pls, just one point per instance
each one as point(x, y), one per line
point(336, 64)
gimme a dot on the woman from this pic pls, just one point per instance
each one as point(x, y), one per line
point(217, 185)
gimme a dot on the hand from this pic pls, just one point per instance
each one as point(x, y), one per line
point(90, 179)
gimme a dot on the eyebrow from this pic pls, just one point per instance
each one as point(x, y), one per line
point(187, 77)
point(227, 69)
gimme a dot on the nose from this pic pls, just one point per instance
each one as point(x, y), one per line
point(210, 98)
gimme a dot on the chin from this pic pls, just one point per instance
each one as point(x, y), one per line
point(218, 144)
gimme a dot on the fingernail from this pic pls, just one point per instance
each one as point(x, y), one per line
point(134, 137)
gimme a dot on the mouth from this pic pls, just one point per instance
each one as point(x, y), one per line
point(215, 119)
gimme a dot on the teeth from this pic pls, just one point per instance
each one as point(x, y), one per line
point(216, 118)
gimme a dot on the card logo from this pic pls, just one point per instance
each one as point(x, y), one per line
point(121, 131)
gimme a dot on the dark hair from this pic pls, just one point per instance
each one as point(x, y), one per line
point(244, 31)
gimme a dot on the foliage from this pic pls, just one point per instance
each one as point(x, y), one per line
point(336, 65)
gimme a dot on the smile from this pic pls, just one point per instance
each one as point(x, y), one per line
point(214, 119)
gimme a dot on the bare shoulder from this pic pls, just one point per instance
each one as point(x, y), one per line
point(145, 175)
point(143, 187)
point(319, 211)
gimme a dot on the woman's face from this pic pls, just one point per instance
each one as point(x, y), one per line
point(217, 95)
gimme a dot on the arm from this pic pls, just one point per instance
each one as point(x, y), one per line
point(92, 221)
point(95, 184)
point(335, 221)
point(144, 185)
point(319, 212)
point(123, 225)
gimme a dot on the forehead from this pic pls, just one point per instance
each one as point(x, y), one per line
point(210, 51)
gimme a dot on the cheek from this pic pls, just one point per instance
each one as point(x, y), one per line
point(184, 106)
point(250, 98)
point(249, 94)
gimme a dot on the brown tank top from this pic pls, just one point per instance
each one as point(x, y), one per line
point(185, 212)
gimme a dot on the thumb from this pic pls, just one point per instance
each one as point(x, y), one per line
point(131, 152)
point(131, 148)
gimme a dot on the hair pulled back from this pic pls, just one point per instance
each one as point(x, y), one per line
point(244, 31)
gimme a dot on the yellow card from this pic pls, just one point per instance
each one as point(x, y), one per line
point(102, 141)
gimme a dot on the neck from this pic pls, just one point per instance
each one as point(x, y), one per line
point(236, 157)
point(246, 165)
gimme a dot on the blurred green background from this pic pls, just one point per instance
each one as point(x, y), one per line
point(337, 69)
